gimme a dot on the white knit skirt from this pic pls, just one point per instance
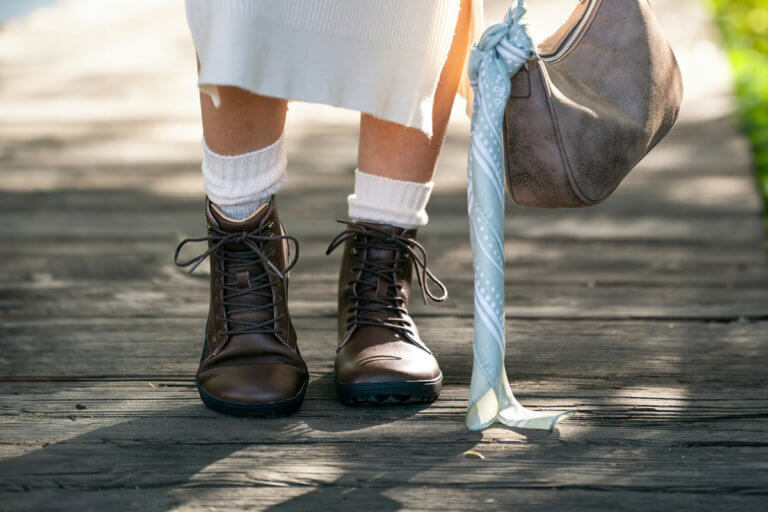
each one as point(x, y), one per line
point(383, 57)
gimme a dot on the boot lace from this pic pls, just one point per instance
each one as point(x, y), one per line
point(384, 311)
point(234, 263)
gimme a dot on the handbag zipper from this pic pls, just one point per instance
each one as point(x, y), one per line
point(565, 47)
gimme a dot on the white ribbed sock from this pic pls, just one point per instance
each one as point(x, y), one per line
point(239, 184)
point(387, 201)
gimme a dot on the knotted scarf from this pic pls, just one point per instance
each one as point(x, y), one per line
point(501, 51)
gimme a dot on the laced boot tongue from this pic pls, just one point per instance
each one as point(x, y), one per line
point(255, 221)
point(247, 287)
point(383, 258)
point(381, 262)
point(380, 287)
point(248, 295)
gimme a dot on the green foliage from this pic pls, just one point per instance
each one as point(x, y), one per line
point(744, 25)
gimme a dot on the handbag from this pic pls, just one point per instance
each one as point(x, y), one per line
point(601, 92)
point(562, 125)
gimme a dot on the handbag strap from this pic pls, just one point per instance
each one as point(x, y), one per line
point(501, 51)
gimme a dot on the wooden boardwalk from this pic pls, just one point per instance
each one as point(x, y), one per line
point(648, 314)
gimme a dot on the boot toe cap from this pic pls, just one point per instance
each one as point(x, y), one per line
point(389, 362)
point(253, 384)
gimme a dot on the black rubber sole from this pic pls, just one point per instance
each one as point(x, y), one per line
point(390, 393)
point(276, 409)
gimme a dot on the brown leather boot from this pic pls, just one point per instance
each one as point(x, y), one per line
point(380, 358)
point(251, 364)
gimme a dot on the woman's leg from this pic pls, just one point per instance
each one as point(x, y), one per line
point(395, 164)
point(381, 358)
point(244, 159)
point(393, 151)
point(243, 122)
point(250, 363)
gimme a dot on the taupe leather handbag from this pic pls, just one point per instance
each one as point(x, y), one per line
point(601, 93)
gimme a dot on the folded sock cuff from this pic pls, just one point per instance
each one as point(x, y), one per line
point(389, 201)
point(247, 178)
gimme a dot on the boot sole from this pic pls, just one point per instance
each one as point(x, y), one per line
point(389, 393)
point(272, 410)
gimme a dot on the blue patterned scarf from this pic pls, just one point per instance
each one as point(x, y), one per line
point(501, 51)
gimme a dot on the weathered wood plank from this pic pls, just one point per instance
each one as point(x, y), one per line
point(358, 497)
point(179, 297)
point(657, 441)
point(581, 353)
point(663, 264)
point(629, 221)
point(657, 405)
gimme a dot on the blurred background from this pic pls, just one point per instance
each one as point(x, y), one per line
point(744, 28)
point(77, 77)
